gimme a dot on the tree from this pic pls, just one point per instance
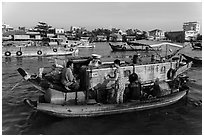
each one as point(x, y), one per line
point(43, 29)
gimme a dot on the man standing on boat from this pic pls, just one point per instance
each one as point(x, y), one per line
point(68, 79)
point(119, 82)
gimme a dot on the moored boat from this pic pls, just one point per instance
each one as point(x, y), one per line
point(85, 44)
point(144, 45)
point(33, 51)
point(127, 47)
point(197, 45)
point(195, 60)
point(61, 103)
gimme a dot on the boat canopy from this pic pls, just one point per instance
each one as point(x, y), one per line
point(155, 43)
point(166, 43)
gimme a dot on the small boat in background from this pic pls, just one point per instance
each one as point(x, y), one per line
point(84, 43)
point(127, 47)
point(144, 45)
point(197, 45)
point(196, 60)
point(38, 51)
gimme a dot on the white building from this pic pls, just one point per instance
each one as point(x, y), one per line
point(59, 31)
point(6, 27)
point(156, 34)
point(73, 28)
point(191, 29)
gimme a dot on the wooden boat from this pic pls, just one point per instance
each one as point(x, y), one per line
point(195, 60)
point(196, 45)
point(86, 44)
point(32, 51)
point(60, 103)
point(127, 47)
point(83, 43)
point(143, 46)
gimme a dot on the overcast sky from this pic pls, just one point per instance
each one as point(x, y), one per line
point(168, 16)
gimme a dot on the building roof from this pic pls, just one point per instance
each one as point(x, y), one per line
point(14, 32)
point(155, 30)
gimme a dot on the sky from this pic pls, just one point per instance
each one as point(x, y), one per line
point(167, 16)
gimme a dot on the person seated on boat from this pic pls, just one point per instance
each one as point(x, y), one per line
point(67, 77)
point(153, 58)
point(119, 81)
point(136, 59)
point(134, 88)
point(96, 61)
point(156, 89)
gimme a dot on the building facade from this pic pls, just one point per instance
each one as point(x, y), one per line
point(157, 34)
point(175, 36)
point(6, 28)
point(191, 29)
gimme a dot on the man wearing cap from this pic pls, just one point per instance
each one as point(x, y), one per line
point(96, 62)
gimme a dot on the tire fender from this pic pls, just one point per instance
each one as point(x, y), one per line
point(19, 53)
point(7, 53)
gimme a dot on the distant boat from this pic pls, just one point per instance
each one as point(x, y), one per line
point(86, 44)
point(195, 60)
point(83, 43)
point(32, 51)
point(143, 45)
point(196, 45)
point(128, 47)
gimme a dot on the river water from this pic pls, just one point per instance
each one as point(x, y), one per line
point(181, 118)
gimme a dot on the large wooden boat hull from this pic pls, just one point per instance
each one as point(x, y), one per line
point(132, 48)
point(107, 109)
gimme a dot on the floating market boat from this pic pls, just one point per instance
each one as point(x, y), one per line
point(86, 102)
point(32, 51)
point(195, 60)
point(142, 45)
point(85, 44)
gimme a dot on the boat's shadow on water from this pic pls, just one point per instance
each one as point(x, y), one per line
point(149, 122)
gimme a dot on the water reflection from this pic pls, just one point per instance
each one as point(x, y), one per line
point(8, 59)
point(40, 59)
point(19, 61)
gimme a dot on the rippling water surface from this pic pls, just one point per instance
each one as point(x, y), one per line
point(183, 117)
